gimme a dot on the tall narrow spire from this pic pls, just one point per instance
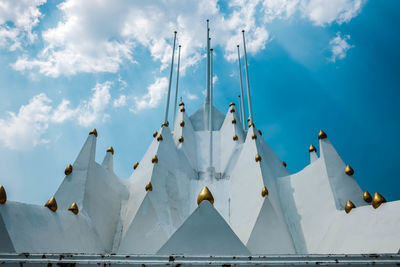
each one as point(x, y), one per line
point(170, 80)
point(241, 91)
point(208, 65)
point(247, 80)
point(177, 83)
point(210, 126)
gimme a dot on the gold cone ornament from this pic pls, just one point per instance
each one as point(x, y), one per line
point(251, 124)
point(367, 197)
point(149, 187)
point(68, 170)
point(377, 200)
point(110, 149)
point(166, 124)
point(259, 131)
point(322, 135)
point(205, 194)
point(51, 204)
point(233, 121)
point(258, 158)
point(284, 164)
point(3, 195)
point(253, 136)
point(159, 138)
point(349, 206)
point(312, 149)
point(155, 134)
point(181, 104)
point(232, 104)
point(94, 132)
point(182, 124)
point(135, 165)
point(264, 191)
point(154, 159)
point(74, 208)
point(181, 139)
point(183, 109)
point(235, 137)
point(232, 110)
point(349, 170)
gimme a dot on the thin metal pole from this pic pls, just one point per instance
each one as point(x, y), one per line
point(211, 106)
point(240, 108)
point(170, 80)
point(247, 80)
point(177, 83)
point(208, 65)
point(241, 90)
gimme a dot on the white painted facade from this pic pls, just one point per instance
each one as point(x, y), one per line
point(303, 213)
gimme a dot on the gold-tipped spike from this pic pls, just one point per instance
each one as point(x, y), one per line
point(248, 119)
point(74, 208)
point(3, 195)
point(181, 139)
point(159, 138)
point(232, 104)
point(94, 132)
point(312, 149)
point(235, 137)
point(284, 164)
point(205, 194)
point(258, 158)
point(322, 135)
point(68, 170)
point(253, 136)
point(232, 110)
point(51, 204)
point(264, 191)
point(166, 124)
point(183, 109)
point(155, 134)
point(234, 121)
point(377, 200)
point(259, 131)
point(135, 165)
point(182, 124)
point(251, 124)
point(349, 206)
point(149, 187)
point(154, 159)
point(181, 104)
point(110, 149)
point(367, 197)
point(349, 170)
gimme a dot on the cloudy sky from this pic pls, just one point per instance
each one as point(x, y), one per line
point(69, 66)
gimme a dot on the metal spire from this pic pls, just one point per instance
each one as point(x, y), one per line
point(208, 65)
point(177, 83)
point(210, 126)
point(170, 80)
point(247, 80)
point(241, 91)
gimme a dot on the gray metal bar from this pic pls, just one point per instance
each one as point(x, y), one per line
point(177, 83)
point(247, 80)
point(241, 90)
point(170, 80)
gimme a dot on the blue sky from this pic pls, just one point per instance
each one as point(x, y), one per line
point(69, 66)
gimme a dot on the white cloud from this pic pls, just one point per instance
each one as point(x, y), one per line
point(339, 46)
point(26, 129)
point(152, 98)
point(215, 79)
point(190, 96)
point(17, 19)
point(120, 102)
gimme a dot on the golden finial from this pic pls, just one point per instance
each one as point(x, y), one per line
point(3, 195)
point(248, 119)
point(284, 164)
point(181, 104)
point(74, 208)
point(166, 124)
point(94, 132)
point(349, 170)
point(251, 124)
point(51, 204)
point(181, 139)
point(110, 149)
point(232, 104)
point(232, 110)
point(258, 158)
point(259, 131)
point(349, 206)
point(235, 137)
point(312, 149)
point(149, 187)
point(367, 197)
point(68, 170)
point(377, 200)
point(159, 138)
point(154, 159)
point(253, 136)
point(205, 194)
point(135, 165)
point(155, 134)
point(233, 121)
point(322, 135)
point(182, 124)
point(264, 191)
point(183, 109)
